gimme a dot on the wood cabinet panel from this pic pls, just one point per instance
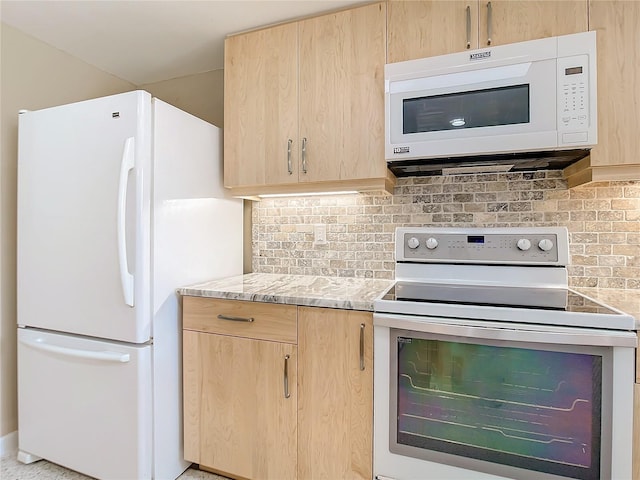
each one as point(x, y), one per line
point(342, 95)
point(418, 29)
point(335, 412)
point(304, 105)
point(618, 43)
point(426, 28)
point(261, 107)
point(246, 426)
point(519, 21)
point(271, 321)
point(191, 395)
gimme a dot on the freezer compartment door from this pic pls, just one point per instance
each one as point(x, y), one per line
point(85, 404)
point(83, 218)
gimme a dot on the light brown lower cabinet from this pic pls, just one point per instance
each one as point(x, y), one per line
point(258, 406)
point(335, 394)
point(240, 400)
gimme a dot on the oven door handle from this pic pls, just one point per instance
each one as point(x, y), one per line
point(516, 332)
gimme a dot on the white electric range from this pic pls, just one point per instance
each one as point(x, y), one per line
point(488, 366)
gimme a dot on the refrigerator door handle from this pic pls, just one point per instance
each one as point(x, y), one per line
point(128, 163)
point(105, 356)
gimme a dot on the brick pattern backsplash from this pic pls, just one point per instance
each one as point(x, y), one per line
point(603, 220)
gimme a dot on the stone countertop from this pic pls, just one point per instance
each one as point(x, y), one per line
point(349, 293)
point(627, 301)
point(306, 290)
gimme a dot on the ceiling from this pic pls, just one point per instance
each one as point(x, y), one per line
point(146, 41)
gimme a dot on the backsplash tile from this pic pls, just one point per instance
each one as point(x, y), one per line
point(603, 220)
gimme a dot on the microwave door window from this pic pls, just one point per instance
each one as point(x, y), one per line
point(473, 109)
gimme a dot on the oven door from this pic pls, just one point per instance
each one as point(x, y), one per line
point(460, 399)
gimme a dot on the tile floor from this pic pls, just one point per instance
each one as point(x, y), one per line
point(11, 469)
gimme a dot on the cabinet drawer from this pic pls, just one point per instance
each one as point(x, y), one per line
point(261, 321)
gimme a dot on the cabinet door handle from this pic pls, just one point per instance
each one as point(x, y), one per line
point(489, 21)
point(289, 166)
point(362, 346)
point(236, 319)
point(304, 155)
point(468, 27)
point(286, 377)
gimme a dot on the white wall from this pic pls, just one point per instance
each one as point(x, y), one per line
point(201, 95)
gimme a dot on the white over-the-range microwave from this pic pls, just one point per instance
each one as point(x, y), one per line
point(522, 106)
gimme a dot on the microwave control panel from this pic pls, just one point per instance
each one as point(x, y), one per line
point(573, 97)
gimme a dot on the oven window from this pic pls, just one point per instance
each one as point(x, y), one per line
point(532, 409)
point(479, 108)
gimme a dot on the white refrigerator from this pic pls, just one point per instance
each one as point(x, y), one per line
point(120, 202)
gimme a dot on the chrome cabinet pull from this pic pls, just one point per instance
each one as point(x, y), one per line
point(304, 155)
point(235, 319)
point(286, 377)
point(468, 27)
point(289, 166)
point(362, 346)
point(489, 21)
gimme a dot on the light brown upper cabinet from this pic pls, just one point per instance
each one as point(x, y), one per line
point(304, 105)
point(616, 157)
point(426, 28)
point(261, 107)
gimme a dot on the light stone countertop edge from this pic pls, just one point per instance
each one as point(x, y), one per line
point(347, 293)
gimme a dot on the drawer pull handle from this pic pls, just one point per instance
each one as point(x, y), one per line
point(236, 319)
point(286, 377)
point(362, 346)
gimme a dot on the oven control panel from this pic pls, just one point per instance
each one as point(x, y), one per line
point(517, 246)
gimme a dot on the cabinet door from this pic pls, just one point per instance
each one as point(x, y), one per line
point(509, 21)
point(335, 403)
point(245, 424)
point(420, 29)
point(617, 24)
point(261, 107)
point(342, 58)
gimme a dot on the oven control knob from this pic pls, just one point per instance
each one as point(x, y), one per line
point(431, 243)
point(545, 244)
point(524, 244)
point(413, 242)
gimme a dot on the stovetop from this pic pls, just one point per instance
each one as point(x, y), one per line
point(541, 306)
point(494, 274)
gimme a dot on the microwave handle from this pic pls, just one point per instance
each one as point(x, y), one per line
point(468, 27)
point(489, 22)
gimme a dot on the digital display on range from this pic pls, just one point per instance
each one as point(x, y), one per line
point(475, 238)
